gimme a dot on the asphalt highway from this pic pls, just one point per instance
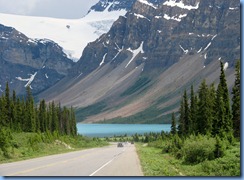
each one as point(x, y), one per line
point(105, 161)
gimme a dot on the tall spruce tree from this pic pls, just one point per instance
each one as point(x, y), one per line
point(19, 116)
point(73, 122)
point(193, 111)
point(30, 111)
point(182, 126)
point(204, 119)
point(187, 113)
point(8, 105)
point(3, 112)
point(223, 120)
point(236, 101)
point(54, 118)
point(173, 125)
point(43, 116)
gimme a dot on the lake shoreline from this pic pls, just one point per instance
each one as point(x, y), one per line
point(111, 130)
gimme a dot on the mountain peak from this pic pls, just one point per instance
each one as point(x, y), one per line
point(112, 5)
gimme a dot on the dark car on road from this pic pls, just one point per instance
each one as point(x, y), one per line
point(120, 145)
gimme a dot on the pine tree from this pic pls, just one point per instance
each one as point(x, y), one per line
point(73, 122)
point(3, 112)
point(173, 125)
point(193, 111)
point(211, 105)
point(43, 116)
point(37, 120)
point(236, 100)
point(204, 119)
point(54, 118)
point(187, 113)
point(30, 111)
point(8, 105)
point(223, 121)
point(66, 116)
point(226, 98)
point(60, 119)
point(182, 127)
point(19, 117)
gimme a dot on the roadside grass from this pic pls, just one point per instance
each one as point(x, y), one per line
point(156, 163)
point(32, 145)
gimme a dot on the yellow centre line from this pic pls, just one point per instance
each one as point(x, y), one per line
point(45, 166)
point(50, 165)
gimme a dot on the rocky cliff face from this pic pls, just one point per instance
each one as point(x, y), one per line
point(142, 65)
point(24, 61)
point(166, 30)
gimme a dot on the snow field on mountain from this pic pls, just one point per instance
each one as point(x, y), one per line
point(72, 35)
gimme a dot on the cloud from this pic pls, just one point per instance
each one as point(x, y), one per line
point(63, 8)
point(23, 7)
point(48, 8)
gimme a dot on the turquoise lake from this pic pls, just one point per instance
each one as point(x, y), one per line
point(110, 130)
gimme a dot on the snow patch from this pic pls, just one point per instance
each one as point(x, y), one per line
point(205, 56)
point(226, 66)
point(104, 57)
point(119, 51)
point(4, 38)
point(185, 51)
point(214, 37)
point(173, 3)
point(157, 17)
point(199, 50)
point(209, 44)
point(233, 8)
point(135, 53)
point(30, 80)
point(147, 3)
point(141, 16)
point(166, 16)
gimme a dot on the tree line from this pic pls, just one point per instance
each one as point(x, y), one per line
point(209, 111)
point(23, 115)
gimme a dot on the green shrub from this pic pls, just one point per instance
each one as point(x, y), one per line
point(34, 141)
point(197, 149)
point(219, 148)
point(227, 166)
point(172, 144)
point(5, 140)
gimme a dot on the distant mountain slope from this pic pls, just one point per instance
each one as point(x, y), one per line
point(139, 69)
point(71, 35)
point(35, 57)
point(24, 61)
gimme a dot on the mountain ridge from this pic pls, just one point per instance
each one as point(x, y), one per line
point(40, 55)
point(153, 38)
point(71, 34)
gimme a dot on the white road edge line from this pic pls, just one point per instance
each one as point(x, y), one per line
point(101, 167)
point(106, 163)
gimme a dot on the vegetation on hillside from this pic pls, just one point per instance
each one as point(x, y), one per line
point(22, 115)
point(206, 141)
point(28, 129)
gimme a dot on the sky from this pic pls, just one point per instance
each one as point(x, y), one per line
point(67, 9)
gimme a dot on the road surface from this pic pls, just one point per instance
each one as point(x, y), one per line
point(105, 161)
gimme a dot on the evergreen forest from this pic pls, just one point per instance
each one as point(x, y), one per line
point(204, 139)
point(22, 115)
